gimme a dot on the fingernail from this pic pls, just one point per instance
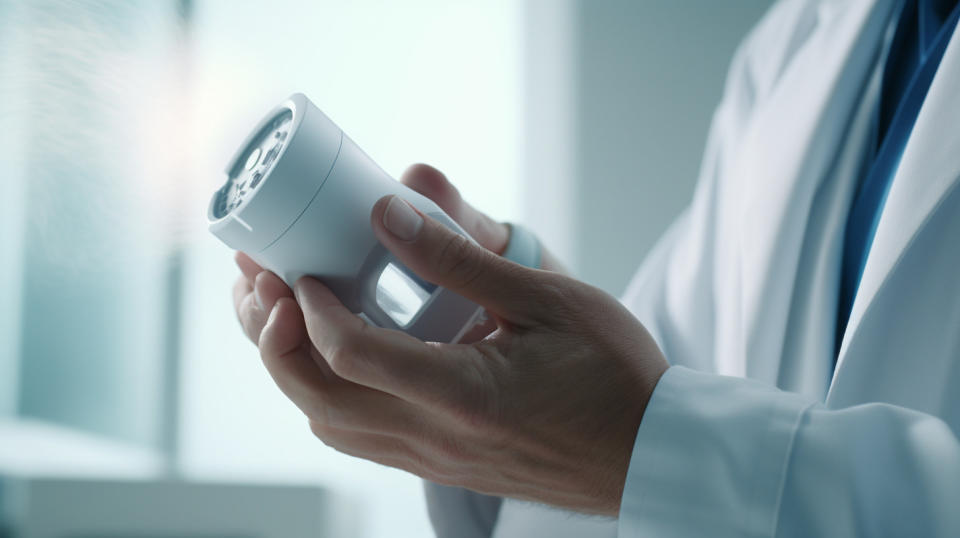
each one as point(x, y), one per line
point(298, 289)
point(273, 314)
point(256, 293)
point(401, 220)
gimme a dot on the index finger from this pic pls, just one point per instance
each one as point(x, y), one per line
point(248, 267)
point(387, 360)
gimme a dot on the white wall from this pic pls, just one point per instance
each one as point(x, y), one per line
point(615, 126)
point(11, 211)
point(550, 70)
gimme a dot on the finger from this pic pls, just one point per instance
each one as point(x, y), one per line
point(444, 257)
point(285, 353)
point(318, 392)
point(433, 184)
point(251, 316)
point(269, 288)
point(248, 267)
point(386, 360)
point(241, 288)
point(430, 182)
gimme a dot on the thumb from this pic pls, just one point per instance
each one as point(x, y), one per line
point(442, 256)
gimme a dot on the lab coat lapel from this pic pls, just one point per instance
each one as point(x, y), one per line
point(788, 153)
point(928, 171)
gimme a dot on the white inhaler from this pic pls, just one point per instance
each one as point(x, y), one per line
point(297, 200)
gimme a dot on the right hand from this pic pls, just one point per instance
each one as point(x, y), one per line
point(551, 327)
point(557, 390)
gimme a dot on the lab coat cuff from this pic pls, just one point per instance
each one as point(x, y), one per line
point(710, 457)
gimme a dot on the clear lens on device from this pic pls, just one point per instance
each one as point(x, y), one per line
point(399, 295)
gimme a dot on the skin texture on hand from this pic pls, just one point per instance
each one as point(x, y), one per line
point(544, 408)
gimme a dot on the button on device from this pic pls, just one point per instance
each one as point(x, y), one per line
point(257, 176)
point(252, 159)
point(271, 155)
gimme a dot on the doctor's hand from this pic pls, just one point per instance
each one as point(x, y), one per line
point(256, 287)
point(546, 408)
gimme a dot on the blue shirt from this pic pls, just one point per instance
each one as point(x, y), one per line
point(923, 31)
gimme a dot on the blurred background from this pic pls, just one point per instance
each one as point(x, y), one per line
point(130, 402)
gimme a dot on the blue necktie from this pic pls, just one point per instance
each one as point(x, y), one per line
point(923, 31)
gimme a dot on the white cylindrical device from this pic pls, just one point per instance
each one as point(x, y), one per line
point(297, 200)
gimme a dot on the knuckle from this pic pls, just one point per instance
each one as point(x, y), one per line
point(339, 362)
point(475, 401)
point(268, 357)
point(317, 410)
point(344, 357)
point(452, 449)
point(320, 430)
point(250, 322)
point(460, 259)
point(420, 464)
point(240, 288)
point(561, 298)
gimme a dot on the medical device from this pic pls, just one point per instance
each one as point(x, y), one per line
point(298, 198)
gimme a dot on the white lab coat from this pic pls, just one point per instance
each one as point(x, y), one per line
point(752, 432)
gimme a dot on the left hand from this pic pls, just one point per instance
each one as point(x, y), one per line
point(546, 408)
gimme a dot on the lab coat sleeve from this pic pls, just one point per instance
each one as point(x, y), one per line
point(460, 513)
point(721, 456)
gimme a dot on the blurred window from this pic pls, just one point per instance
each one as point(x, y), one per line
point(117, 119)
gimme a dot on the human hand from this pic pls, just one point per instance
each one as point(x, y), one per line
point(422, 178)
point(545, 409)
